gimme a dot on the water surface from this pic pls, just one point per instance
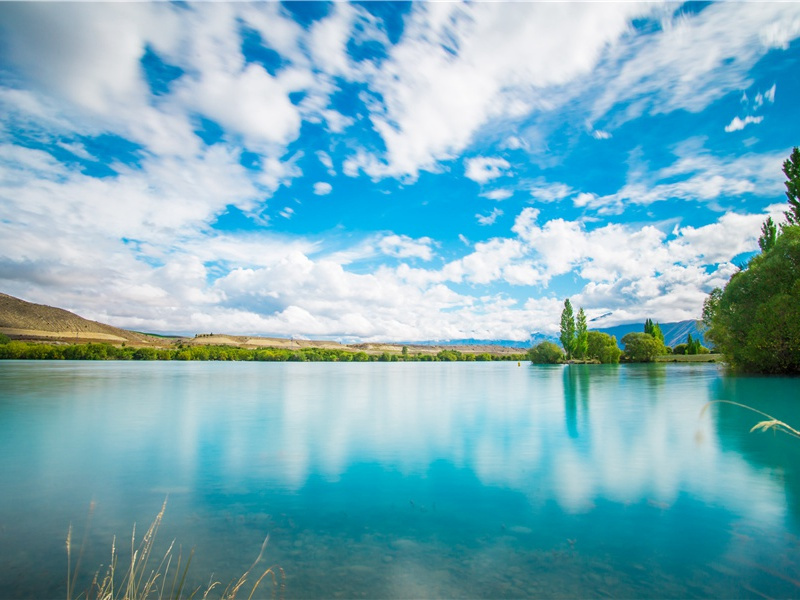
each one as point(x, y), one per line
point(407, 480)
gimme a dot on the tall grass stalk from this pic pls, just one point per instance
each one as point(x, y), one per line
point(770, 422)
point(143, 582)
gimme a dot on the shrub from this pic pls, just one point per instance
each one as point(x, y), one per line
point(545, 353)
point(603, 347)
point(642, 347)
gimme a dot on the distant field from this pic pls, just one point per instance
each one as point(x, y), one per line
point(690, 358)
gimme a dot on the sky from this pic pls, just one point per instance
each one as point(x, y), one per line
point(389, 171)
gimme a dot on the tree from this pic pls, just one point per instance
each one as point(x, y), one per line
point(602, 347)
point(642, 347)
point(567, 336)
point(545, 353)
point(581, 330)
point(654, 329)
point(769, 232)
point(755, 321)
point(791, 168)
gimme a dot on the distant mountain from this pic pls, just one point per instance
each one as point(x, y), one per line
point(674, 333)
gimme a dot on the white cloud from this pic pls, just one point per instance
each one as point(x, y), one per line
point(694, 60)
point(599, 134)
point(287, 213)
point(322, 188)
point(482, 169)
point(326, 161)
point(402, 246)
point(695, 176)
point(498, 195)
point(458, 66)
point(542, 191)
point(490, 218)
point(738, 124)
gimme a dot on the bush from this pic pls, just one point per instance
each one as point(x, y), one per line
point(603, 347)
point(546, 353)
point(642, 347)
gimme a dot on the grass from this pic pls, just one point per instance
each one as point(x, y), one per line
point(689, 358)
point(771, 423)
point(140, 580)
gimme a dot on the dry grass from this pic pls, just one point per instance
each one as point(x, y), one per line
point(771, 423)
point(140, 580)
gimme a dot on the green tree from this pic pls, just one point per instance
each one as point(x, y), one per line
point(642, 347)
point(769, 233)
point(581, 330)
point(545, 353)
point(602, 347)
point(755, 322)
point(567, 336)
point(654, 329)
point(791, 168)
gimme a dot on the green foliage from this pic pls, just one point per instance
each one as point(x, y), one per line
point(693, 346)
point(679, 349)
point(710, 305)
point(4, 339)
point(581, 339)
point(755, 322)
point(545, 353)
point(769, 233)
point(567, 336)
point(642, 347)
point(654, 329)
point(602, 347)
point(791, 168)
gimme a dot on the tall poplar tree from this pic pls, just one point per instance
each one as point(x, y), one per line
point(581, 335)
point(568, 329)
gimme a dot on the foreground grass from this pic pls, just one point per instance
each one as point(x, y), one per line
point(690, 358)
point(140, 580)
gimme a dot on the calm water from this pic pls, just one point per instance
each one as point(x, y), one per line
point(407, 480)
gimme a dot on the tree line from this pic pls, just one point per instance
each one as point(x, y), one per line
point(578, 344)
point(92, 351)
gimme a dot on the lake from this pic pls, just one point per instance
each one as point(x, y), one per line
point(406, 480)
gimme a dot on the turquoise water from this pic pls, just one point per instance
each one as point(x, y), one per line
point(407, 480)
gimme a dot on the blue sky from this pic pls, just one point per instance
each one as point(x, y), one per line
point(389, 171)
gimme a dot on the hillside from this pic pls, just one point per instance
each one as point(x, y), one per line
point(27, 321)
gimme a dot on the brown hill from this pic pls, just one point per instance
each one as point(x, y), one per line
point(27, 321)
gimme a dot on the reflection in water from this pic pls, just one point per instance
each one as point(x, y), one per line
point(576, 391)
point(407, 480)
